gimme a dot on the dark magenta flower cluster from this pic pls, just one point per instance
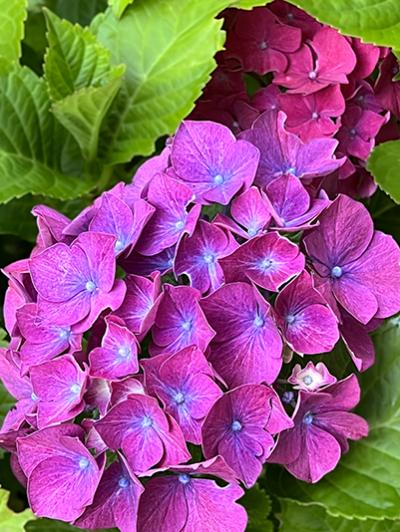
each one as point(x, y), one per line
point(153, 328)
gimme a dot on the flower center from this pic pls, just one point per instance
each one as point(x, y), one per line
point(179, 225)
point(187, 325)
point(75, 388)
point(218, 179)
point(90, 286)
point(266, 263)
point(312, 75)
point(124, 352)
point(336, 272)
point(236, 426)
point(263, 45)
point(290, 319)
point(252, 231)
point(147, 422)
point(123, 482)
point(308, 419)
point(64, 334)
point(258, 321)
point(208, 258)
point(184, 478)
point(119, 246)
point(308, 380)
point(34, 397)
point(314, 115)
point(83, 462)
point(352, 133)
point(179, 398)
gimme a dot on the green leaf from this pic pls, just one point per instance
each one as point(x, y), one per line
point(168, 48)
point(300, 517)
point(258, 507)
point(80, 11)
point(75, 60)
point(3, 338)
point(366, 483)
point(119, 6)
point(383, 164)
point(16, 218)
point(12, 17)
point(36, 154)
point(376, 21)
point(9, 520)
point(81, 80)
point(6, 403)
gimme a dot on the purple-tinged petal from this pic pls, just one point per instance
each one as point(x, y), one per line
point(43, 340)
point(63, 484)
point(308, 324)
point(118, 355)
point(359, 344)
point(198, 256)
point(171, 220)
point(179, 321)
point(121, 390)
point(247, 346)
point(145, 434)
point(116, 500)
point(59, 386)
point(236, 429)
point(185, 385)
point(98, 395)
point(183, 502)
point(207, 156)
point(311, 378)
point(139, 307)
point(268, 260)
point(144, 265)
point(251, 211)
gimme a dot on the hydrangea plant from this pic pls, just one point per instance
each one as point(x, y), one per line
point(176, 342)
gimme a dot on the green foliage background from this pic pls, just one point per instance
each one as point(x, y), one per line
point(88, 89)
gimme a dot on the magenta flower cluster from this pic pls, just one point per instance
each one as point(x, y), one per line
point(151, 334)
point(321, 83)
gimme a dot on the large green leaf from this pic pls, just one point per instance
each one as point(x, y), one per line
point(366, 483)
point(80, 11)
point(12, 16)
point(50, 525)
point(383, 163)
point(16, 218)
point(81, 80)
point(376, 21)
point(119, 6)
point(75, 60)
point(258, 507)
point(9, 520)
point(168, 48)
point(36, 154)
point(298, 517)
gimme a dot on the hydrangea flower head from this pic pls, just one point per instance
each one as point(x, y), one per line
point(184, 382)
point(308, 324)
point(199, 256)
point(326, 60)
point(76, 283)
point(355, 265)
point(322, 426)
point(62, 474)
point(268, 261)
point(261, 42)
point(240, 427)
point(284, 153)
point(179, 321)
point(311, 378)
point(247, 346)
point(212, 162)
point(146, 435)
